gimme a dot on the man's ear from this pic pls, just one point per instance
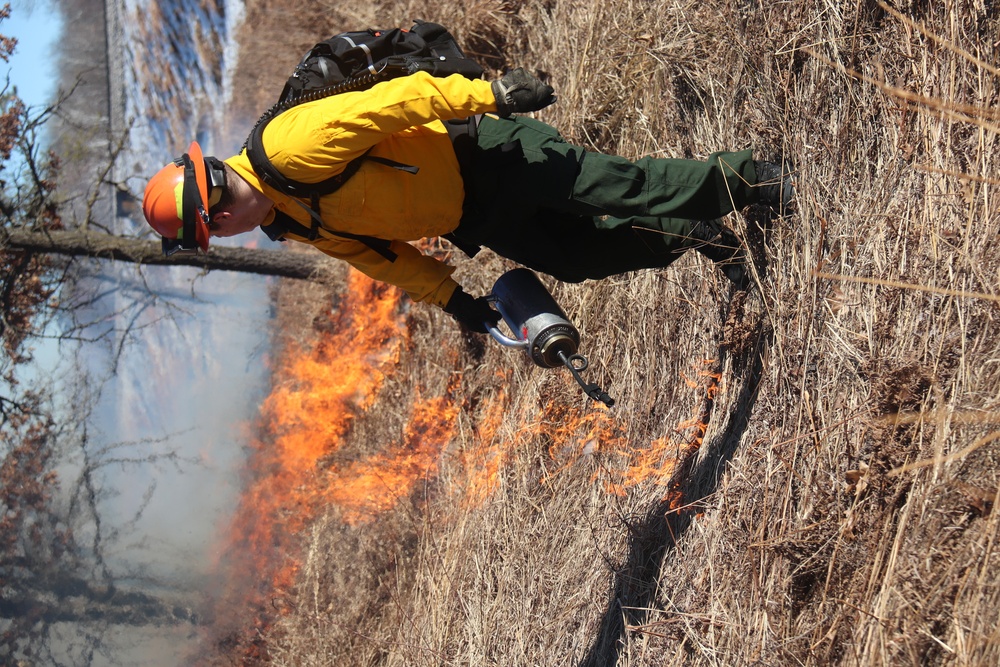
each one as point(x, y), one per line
point(219, 218)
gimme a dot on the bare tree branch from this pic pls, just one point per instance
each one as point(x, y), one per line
point(77, 243)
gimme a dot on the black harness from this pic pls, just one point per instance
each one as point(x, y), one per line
point(463, 135)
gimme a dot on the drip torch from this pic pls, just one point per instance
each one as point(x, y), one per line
point(540, 327)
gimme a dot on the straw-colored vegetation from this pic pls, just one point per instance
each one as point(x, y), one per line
point(841, 507)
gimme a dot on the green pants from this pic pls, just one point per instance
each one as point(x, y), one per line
point(576, 215)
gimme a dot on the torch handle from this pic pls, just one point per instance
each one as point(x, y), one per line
point(504, 340)
point(498, 335)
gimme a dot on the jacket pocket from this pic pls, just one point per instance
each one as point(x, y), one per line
point(352, 196)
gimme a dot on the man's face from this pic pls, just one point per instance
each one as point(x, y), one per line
point(246, 212)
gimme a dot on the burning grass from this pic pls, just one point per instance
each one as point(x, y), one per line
point(802, 475)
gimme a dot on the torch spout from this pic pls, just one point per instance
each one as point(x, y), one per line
point(576, 363)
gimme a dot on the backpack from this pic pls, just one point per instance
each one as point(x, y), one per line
point(354, 61)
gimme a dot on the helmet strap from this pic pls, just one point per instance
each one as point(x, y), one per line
point(175, 247)
point(191, 206)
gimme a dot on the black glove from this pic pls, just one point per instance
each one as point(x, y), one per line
point(519, 92)
point(473, 314)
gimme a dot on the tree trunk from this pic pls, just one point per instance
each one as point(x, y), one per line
point(132, 608)
point(76, 243)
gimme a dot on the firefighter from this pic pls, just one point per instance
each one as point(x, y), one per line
point(519, 189)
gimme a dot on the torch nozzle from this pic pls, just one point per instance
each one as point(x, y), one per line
point(576, 363)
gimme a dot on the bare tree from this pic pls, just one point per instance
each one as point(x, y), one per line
point(53, 537)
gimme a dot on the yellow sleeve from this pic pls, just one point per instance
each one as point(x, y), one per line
point(313, 141)
point(423, 278)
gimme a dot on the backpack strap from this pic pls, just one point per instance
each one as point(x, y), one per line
point(262, 165)
point(268, 173)
point(284, 224)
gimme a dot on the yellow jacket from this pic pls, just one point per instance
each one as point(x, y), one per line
point(401, 118)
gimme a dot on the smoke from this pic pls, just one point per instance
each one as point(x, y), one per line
point(191, 368)
point(187, 387)
point(179, 365)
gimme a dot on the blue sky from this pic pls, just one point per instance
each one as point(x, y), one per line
point(36, 24)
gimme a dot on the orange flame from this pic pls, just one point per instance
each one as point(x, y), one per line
point(321, 389)
point(575, 432)
point(364, 489)
point(487, 457)
point(658, 464)
point(319, 392)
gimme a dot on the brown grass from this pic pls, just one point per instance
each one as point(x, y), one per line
point(805, 538)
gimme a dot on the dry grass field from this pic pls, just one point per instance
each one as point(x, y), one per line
point(801, 474)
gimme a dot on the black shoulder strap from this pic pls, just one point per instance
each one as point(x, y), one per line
point(269, 174)
point(312, 191)
point(284, 224)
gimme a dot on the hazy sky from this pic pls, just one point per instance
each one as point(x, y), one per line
point(36, 25)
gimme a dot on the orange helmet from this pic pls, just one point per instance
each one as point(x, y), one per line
point(178, 198)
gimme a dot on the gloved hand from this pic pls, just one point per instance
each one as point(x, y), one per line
point(519, 92)
point(471, 313)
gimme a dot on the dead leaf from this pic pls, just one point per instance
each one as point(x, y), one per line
point(979, 499)
point(857, 480)
point(836, 300)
